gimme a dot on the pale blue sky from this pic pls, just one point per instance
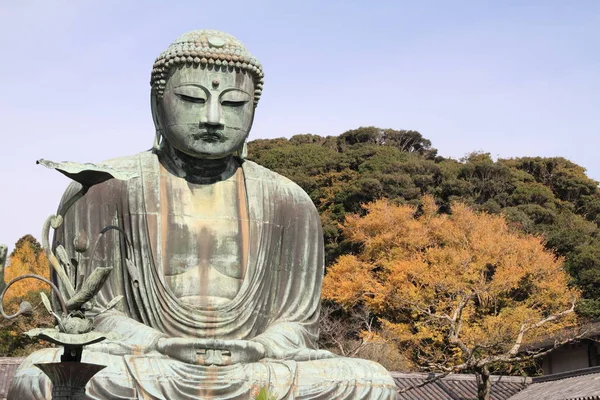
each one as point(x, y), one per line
point(513, 78)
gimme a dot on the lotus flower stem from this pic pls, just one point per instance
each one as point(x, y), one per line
point(60, 271)
point(61, 300)
point(67, 205)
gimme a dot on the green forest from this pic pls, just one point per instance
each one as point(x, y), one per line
point(548, 197)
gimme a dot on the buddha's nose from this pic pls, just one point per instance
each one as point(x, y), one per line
point(212, 115)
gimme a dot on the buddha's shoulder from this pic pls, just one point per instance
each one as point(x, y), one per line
point(131, 163)
point(259, 174)
point(128, 166)
point(256, 172)
point(253, 174)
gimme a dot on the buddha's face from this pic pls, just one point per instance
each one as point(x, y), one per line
point(206, 113)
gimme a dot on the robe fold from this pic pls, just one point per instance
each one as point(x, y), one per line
point(277, 304)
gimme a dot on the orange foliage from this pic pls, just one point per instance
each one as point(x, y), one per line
point(464, 283)
point(27, 258)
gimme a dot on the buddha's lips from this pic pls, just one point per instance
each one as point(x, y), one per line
point(209, 136)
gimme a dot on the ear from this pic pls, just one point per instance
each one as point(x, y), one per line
point(156, 117)
point(242, 153)
point(252, 119)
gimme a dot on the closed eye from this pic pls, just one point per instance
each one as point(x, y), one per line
point(231, 103)
point(191, 99)
point(234, 98)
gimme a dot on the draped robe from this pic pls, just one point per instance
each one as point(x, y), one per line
point(277, 304)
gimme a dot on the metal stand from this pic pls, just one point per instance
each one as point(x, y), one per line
point(70, 375)
point(69, 378)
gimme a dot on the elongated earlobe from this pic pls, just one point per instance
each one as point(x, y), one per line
point(243, 151)
point(158, 138)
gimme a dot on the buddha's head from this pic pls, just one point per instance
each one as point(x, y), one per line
point(205, 88)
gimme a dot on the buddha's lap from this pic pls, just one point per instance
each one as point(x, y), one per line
point(158, 373)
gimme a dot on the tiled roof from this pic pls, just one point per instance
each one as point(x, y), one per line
point(457, 386)
point(8, 366)
point(583, 384)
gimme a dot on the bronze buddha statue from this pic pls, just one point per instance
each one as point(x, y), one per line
point(223, 293)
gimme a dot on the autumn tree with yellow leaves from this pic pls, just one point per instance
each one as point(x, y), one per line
point(28, 257)
point(457, 292)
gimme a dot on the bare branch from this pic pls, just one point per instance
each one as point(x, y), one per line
point(428, 312)
point(507, 358)
point(552, 317)
point(342, 332)
point(515, 349)
point(525, 328)
point(456, 325)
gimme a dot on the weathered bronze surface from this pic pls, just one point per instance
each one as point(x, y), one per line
point(69, 378)
point(221, 272)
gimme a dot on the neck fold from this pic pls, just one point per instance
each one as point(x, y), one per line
point(196, 170)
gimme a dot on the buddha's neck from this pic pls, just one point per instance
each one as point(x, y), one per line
point(197, 170)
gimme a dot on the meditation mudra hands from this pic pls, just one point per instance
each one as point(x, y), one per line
point(128, 337)
point(227, 352)
point(211, 351)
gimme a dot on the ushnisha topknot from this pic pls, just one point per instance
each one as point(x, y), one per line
point(207, 48)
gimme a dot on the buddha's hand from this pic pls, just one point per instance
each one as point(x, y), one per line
point(211, 351)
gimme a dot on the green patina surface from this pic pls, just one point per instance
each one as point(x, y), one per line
point(219, 261)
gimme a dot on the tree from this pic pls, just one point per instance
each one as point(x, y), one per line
point(359, 166)
point(339, 332)
point(28, 240)
point(550, 197)
point(28, 257)
point(459, 292)
point(352, 333)
point(406, 141)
